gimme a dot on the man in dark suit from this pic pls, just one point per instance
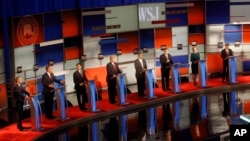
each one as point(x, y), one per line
point(166, 64)
point(18, 100)
point(80, 79)
point(112, 71)
point(225, 54)
point(140, 69)
point(48, 80)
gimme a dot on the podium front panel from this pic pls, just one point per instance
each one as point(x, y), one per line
point(120, 88)
point(35, 110)
point(232, 69)
point(149, 83)
point(61, 102)
point(175, 79)
point(92, 96)
point(203, 73)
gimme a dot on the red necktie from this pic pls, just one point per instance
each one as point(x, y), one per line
point(81, 73)
point(114, 66)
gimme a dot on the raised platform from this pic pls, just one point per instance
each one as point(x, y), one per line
point(108, 110)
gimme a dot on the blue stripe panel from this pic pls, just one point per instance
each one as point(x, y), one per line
point(246, 66)
point(109, 49)
point(180, 59)
point(182, 16)
point(232, 33)
point(52, 26)
point(52, 52)
point(93, 21)
point(103, 42)
point(147, 38)
point(157, 63)
point(217, 12)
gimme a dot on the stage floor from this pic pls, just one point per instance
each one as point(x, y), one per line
point(10, 132)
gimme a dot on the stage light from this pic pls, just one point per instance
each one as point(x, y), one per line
point(119, 52)
point(51, 62)
point(136, 51)
point(237, 43)
point(100, 56)
point(19, 69)
point(220, 44)
point(163, 47)
point(84, 57)
point(35, 67)
point(194, 43)
point(179, 46)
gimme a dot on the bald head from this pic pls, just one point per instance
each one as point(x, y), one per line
point(112, 59)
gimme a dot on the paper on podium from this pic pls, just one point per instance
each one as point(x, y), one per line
point(121, 74)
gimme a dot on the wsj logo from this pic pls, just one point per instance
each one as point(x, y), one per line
point(240, 132)
point(148, 13)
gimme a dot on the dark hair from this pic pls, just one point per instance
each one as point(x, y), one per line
point(47, 67)
point(165, 48)
point(227, 44)
point(78, 64)
point(17, 78)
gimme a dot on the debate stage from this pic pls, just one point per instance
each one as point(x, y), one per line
point(10, 132)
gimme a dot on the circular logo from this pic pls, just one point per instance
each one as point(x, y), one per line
point(27, 30)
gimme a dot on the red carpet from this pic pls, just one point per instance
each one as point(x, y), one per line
point(10, 133)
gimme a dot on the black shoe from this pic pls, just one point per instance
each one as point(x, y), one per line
point(113, 102)
point(51, 117)
point(83, 109)
point(21, 129)
point(141, 95)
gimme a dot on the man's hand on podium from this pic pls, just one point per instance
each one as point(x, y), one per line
point(27, 97)
point(63, 82)
point(51, 85)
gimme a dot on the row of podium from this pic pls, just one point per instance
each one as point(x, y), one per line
point(36, 111)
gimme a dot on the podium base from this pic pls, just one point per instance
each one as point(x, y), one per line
point(62, 119)
point(177, 92)
point(39, 129)
point(94, 111)
point(151, 97)
point(204, 87)
point(123, 104)
point(231, 83)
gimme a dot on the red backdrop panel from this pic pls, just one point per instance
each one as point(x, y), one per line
point(27, 30)
point(246, 33)
point(198, 37)
point(163, 36)
point(70, 23)
point(131, 43)
point(214, 63)
point(31, 86)
point(3, 96)
point(196, 14)
point(72, 53)
point(99, 75)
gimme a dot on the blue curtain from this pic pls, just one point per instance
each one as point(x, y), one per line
point(26, 7)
